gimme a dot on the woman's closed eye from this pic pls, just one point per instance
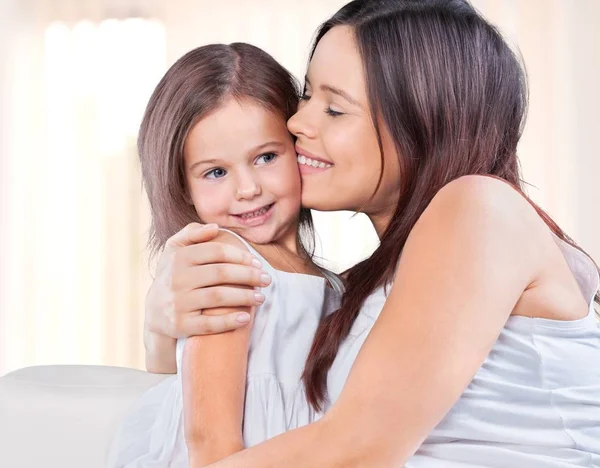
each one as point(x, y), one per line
point(266, 158)
point(333, 113)
point(329, 111)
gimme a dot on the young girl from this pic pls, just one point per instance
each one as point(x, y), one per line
point(214, 148)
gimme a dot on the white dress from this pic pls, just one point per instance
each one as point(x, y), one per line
point(284, 327)
point(535, 401)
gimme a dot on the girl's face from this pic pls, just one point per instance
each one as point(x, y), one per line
point(241, 172)
point(333, 125)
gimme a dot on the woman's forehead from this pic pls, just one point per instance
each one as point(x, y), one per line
point(337, 63)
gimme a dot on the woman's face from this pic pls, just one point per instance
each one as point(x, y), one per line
point(333, 126)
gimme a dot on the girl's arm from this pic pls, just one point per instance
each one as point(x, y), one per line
point(160, 353)
point(214, 383)
point(469, 258)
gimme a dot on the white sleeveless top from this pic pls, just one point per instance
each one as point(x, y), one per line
point(535, 401)
point(284, 327)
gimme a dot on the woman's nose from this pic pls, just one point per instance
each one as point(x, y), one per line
point(299, 123)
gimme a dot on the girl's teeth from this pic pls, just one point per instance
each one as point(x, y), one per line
point(322, 165)
point(302, 159)
point(315, 163)
point(308, 162)
point(256, 213)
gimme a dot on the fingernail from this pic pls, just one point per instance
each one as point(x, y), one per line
point(260, 297)
point(265, 279)
point(243, 318)
point(256, 263)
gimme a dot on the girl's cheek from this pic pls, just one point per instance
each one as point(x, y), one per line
point(208, 203)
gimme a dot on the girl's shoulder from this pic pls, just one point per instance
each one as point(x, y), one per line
point(336, 283)
point(225, 236)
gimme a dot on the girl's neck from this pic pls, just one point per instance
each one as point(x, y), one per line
point(286, 254)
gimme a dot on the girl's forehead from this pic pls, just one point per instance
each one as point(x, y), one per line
point(235, 130)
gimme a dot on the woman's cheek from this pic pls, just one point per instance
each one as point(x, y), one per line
point(344, 139)
point(343, 148)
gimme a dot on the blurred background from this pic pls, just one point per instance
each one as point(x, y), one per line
point(75, 77)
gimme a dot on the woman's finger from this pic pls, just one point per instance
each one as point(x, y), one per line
point(216, 252)
point(193, 233)
point(219, 296)
point(219, 274)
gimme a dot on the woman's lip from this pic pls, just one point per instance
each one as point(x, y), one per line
point(302, 152)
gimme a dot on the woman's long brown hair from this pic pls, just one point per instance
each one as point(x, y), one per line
point(453, 96)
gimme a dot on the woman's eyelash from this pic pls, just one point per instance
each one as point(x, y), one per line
point(328, 111)
point(332, 113)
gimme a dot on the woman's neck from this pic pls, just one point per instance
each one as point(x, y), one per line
point(380, 222)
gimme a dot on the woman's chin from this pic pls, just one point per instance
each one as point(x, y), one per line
point(319, 200)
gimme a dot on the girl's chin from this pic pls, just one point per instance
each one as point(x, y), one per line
point(255, 235)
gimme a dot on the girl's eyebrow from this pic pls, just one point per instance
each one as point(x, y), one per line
point(204, 161)
point(264, 145)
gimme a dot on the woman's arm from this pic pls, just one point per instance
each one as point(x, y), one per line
point(464, 267)
point(214, 383)
point(192, 275)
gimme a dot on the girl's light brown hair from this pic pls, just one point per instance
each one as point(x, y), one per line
point(197, 84)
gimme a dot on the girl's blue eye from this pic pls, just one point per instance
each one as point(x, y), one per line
point(215, 173)
point(267, 158)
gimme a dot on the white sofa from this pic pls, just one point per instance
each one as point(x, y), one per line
point(64, 416)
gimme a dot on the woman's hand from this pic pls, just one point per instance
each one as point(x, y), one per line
point(193, 274)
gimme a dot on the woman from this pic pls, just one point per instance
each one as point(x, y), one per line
point(474, 318)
